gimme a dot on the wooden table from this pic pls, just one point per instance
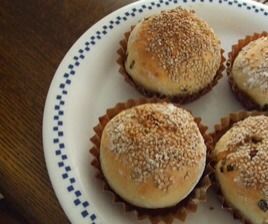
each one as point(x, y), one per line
point(34, 37)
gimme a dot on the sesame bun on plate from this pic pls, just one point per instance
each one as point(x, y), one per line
point(248, 71)
point(241, 165)
point(153, 155)
point(174, 54)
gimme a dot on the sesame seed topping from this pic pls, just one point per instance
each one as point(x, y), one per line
point(154, 140)
point(178, 37)
point(252, 60)
point(247, 153)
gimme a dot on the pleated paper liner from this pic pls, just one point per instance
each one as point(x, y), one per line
point(164, 215)
point(122, 56)
point(242, 96)
point(220, 129)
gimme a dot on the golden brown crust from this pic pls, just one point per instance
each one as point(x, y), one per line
point(245, 99)
point(182, 99)
point(155, 147)
point(193, 71)
point(155, 215)
point(234, 141)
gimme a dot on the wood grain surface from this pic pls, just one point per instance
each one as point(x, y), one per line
point(7, 215)
point(34, 37)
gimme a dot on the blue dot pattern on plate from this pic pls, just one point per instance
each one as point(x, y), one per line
point(60, 149)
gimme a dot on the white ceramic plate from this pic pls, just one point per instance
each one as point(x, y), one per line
point(87, 82)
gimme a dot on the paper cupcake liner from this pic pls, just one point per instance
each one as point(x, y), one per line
point(182, 99)
point(241, 95)
point(165, 215)
point(219, 130)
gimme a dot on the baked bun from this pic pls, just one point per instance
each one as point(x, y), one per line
point(250, 71)
point(241, 169)
point(152, 155)
point(174, 53)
